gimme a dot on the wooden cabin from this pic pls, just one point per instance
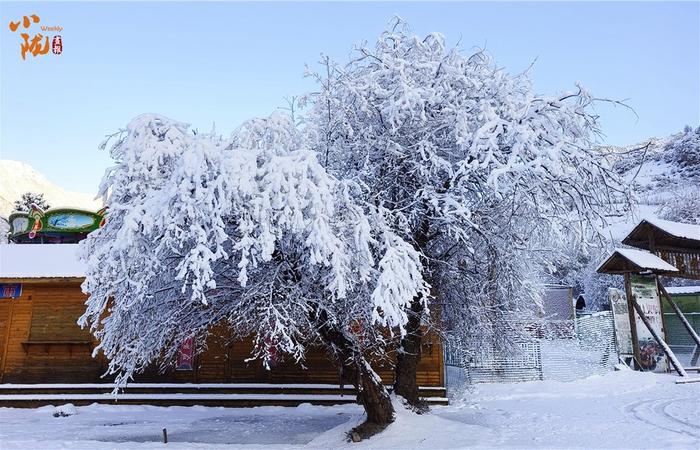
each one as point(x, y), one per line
point(663, 249)
point(40, 341)
point(676, 243)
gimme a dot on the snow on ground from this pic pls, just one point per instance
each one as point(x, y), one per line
point(619, 410)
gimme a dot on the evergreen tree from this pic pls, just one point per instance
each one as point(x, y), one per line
point(28, 199)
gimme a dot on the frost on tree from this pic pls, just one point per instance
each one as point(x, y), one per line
point(479, 172)
point(251, 231)
point(682, 151)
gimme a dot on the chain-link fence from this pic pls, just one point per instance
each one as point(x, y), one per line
point(551, 350)
point(678, 338)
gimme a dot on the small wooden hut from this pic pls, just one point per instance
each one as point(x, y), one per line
point(663, 248)
point(676, 243)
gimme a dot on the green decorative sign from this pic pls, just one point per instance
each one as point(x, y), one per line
point(70, 221)
point(54, 225)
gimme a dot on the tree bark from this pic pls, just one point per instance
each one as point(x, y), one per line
point(409, 353)
point(409, 356)
point(371, 393)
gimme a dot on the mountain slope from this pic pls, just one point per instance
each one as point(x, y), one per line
point(16, 178)
point(665, 176)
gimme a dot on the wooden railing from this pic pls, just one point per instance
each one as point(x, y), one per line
point(688, 264)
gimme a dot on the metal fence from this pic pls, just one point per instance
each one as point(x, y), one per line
point(678, 337)
point(551, 350)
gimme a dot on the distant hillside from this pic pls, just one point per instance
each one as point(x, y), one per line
point(665, 176)
point(16, 178)
point(660, 166)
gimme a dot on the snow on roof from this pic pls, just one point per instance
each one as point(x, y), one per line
point(683, 290)
point(677, 229)
point(645, 259)
point(40, 261)
point(642, 259)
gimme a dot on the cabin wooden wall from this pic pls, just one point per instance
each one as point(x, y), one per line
point(40, 342)
point(43, 343)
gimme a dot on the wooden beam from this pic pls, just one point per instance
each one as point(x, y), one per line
point(633, 322)
point(671, 356)
point(680, 315)
point(688, 380)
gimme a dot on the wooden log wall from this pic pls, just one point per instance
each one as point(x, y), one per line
point(40, 342)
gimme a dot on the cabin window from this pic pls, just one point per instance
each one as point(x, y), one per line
point(56, 321)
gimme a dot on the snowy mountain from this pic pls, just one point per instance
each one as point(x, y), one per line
point(16, 178)
point(665, 176)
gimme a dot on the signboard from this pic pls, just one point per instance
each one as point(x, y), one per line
point(651, 354)
point(70, 220)
point(185, 356)
point(10, 290)
point(623, 331)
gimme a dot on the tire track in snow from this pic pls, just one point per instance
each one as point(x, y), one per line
point(664, 410)
point(655, 413)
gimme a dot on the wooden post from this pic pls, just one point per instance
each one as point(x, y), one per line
point(680, 315)
point(696, 354)
point(671, 356)
point(633, 322)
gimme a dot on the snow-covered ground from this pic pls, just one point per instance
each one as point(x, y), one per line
point(619, 410)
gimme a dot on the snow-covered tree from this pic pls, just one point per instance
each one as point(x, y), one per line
point(684, 150)
point(458, 151)
point(28, 199)
point(251, 232)
point(683, 203)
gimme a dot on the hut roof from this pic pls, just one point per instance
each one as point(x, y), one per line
point(626, 260)
point(40, 261)
point(653, 233)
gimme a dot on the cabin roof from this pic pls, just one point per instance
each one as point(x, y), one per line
point(627, 260)
point(40, 261)
point(659, 233)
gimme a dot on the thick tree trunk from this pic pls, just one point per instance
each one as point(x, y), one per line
point(409, 356)
point(409, 353)
point(371, 393)
point(374, 396)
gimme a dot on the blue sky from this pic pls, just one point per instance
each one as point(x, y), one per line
point(224, 62)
